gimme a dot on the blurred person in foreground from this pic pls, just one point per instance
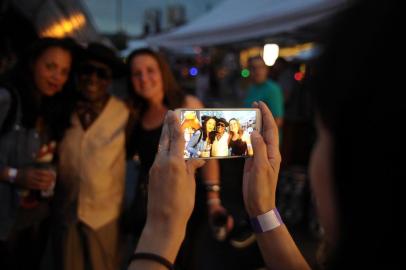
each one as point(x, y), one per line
point(356, 167)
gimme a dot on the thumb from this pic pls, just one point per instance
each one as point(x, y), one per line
point(259, 147)
point(194, 164)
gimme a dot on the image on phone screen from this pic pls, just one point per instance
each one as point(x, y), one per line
point(218, 133)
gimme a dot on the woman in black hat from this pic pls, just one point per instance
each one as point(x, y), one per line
point(92, 166)
point(220, 143)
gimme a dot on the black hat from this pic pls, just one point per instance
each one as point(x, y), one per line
point(105, 55)
point(222, 120)
point(206, 117)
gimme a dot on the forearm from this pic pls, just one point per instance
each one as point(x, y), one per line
point(211, 172)
point(160, 239)
point(279, 250)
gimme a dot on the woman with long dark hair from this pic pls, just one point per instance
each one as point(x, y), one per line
point(35, 111)
point(201, 141)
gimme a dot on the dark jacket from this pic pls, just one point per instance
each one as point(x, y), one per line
point(17, 148)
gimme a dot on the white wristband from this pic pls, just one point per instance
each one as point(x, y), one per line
point(12, 175)
point(213, 187)
point(266, 222)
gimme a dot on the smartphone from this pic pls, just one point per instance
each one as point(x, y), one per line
point(218, 133)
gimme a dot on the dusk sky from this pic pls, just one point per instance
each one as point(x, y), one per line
point(104, 12)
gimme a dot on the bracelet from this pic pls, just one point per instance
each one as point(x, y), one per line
point(213, 201)
point(12, 175)
point(152, 257)
point(266, 222)
point(213, 187)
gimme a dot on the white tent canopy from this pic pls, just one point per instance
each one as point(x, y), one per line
point(236, 20)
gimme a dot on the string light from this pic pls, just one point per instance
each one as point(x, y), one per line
point(64, 27)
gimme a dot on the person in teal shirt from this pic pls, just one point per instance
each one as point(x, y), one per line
point(264, 90)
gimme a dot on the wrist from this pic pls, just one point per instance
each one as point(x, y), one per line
point(267, 221)
point(212, 192)
point(168, 226)
point(146, 259)
point(162, 239)
point(212, 187)
point(258, 207)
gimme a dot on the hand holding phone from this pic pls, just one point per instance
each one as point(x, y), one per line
point(218, 133)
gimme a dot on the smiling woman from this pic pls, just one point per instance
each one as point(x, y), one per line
point(154, 91)
point(35, 106)
point(51, 70)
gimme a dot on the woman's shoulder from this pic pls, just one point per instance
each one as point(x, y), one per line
point(192, 102)
point(198, 132)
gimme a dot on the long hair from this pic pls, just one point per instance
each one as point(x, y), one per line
point(55, 110)
point(204, 129)
point(357, 96)
point(173, 95)
point(240, 131)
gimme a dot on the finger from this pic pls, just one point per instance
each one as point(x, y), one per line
point(259, 146)
point(163, 145)
point(193, 164)
point(42, 182)
point(269, 131)
point(45, 175)
point(254, 104)
point(37, 183)
point(248, 164)
point(42, 185)
point(176, 141)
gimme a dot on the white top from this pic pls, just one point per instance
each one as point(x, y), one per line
point(94, 161)
point(220, 147)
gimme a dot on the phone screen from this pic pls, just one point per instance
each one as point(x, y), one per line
point(218, 133)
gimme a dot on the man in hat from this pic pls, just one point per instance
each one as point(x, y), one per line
point(220, 143)
point(92, 165)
